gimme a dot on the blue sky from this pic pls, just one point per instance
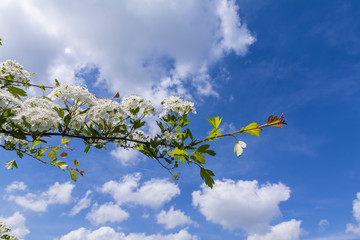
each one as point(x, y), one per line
point(243, 60)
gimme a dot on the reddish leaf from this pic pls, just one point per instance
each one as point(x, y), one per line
point(275, 121)
point(63, 154)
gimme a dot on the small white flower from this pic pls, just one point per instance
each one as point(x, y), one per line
point(238, 149)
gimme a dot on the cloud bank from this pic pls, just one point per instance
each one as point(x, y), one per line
point(152, 48)
point(109, 233)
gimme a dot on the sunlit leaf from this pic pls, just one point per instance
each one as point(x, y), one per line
point(253, 129)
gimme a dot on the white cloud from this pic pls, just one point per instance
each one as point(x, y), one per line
point(109, 233)
point(102, 233)
point(173, 218)
point(355, 228)
point(108, 212)
point(137, 47)
point(242, 204)
point(153, 193)
point(283, 231)
point(126, 156)
point(17, 224)
point(56, 194)
point(82, 204)
point(16, 185)
point(323, 224)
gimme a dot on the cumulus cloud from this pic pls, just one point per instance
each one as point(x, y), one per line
point(153, 193)
point(16, 185)
point(109, 233)
point(17, 224)
point(152, 48)
point(355, 228)
point(108, 212)
point(242, 204)
point(82, 204)
point(56, 194)
point(126, 156)
point(173, 218)
point(284, 231)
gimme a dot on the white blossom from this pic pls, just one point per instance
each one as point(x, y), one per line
point(146, 108)
point(169, 136)
point(23, 143)
point(177, 105)
point(78, 120)
point(78, 94)
point(238, 149)
point(140, 135)
point(39, 113)
point(14, 70)
point(7, 100)
point(106, 111)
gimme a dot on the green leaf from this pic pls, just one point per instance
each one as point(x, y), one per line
point(52, 155)
point(57, 84)
point(206, 175)
point(138, 124)
point(17, 92)
point(11, 164)
point(160, 126)
point(214, 133)
point(252, 128)
point(199, 157)
point(20, 154)
point(179, 153)
point(42, 87)
point(59, 111)
point(215, 121)
point(134, 111)
point(87, 148)
point(73, 175)
point(36, 142)
point(7, 113)
point(189, 133)
point(64, 140)
point(67, 119)
point(205, 149)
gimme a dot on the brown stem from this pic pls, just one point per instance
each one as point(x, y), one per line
point(240, 131)
point(79, 136)
point(28, 84)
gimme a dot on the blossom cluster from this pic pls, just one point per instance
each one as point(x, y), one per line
point(37, 115)
point(106, 112)
point(146, 108)
point(14, 70)
point(78, 94)
point(177, 105)
point(7, 100)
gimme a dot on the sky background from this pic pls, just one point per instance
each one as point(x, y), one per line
point(242, 60)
